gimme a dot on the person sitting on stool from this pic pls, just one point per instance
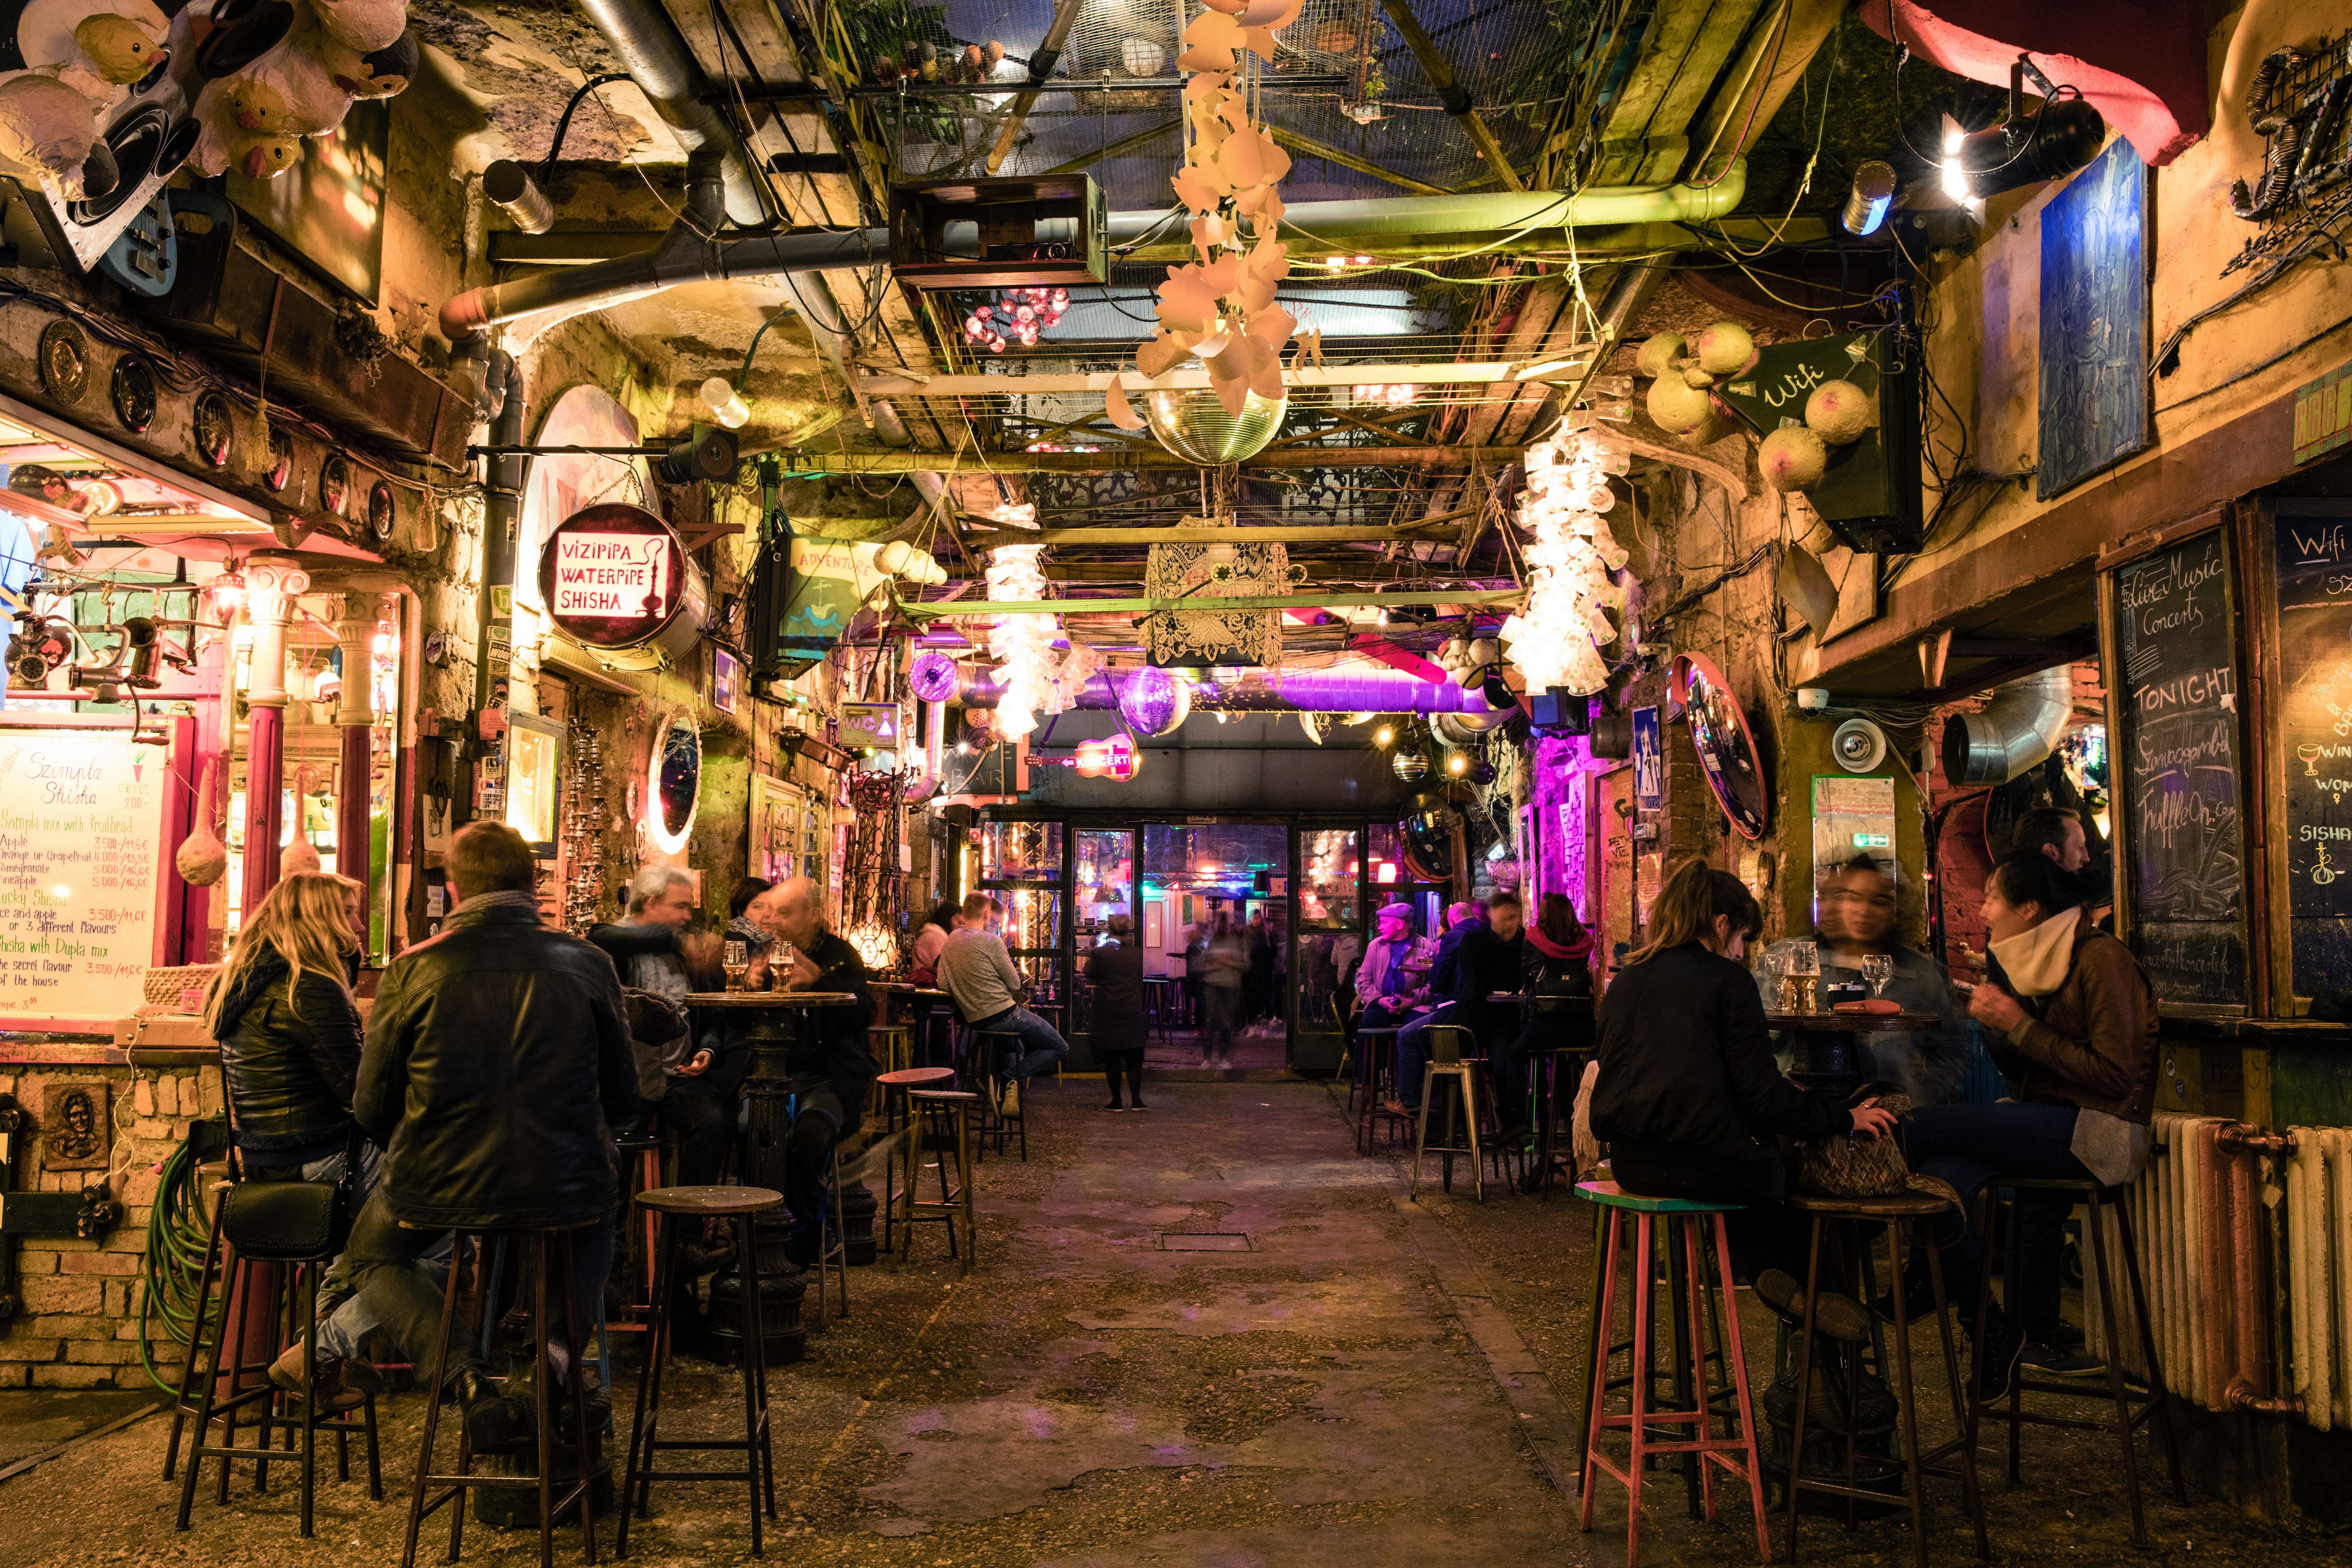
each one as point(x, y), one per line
point(977, 973)
point(832, 1071)
point(497, 1063)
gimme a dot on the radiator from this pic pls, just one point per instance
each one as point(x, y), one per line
point(2198, 1216)
point(2319, 1272)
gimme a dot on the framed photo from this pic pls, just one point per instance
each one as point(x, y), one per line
point(726, 681)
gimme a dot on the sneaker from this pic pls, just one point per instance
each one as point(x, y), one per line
point(1918, 1301)
point(1114, 1105)
point(1997, 1345)
point(1839, 1316)
point(1009, 1102)
point(2056, 1361)
point(1139, 1105)
point(2069, 1336)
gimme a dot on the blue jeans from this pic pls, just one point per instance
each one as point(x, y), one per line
point(1970, 1146)
point(1041, 1044)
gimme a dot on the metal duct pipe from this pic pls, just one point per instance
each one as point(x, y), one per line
point(1268, 691)
point(659, 61)
point(688, 254)
point(2018, 729)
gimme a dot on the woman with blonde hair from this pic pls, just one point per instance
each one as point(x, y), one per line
point(288, 1028)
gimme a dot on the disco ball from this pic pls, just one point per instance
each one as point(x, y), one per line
point(1410, 766)
point(1194, 425)
point(1155, 701)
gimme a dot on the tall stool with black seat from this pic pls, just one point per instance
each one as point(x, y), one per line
point(1375, 1050)
point(1734, 1450)
point(832, 1239)
point(283, 1291)
point(2134, 1408)
point(669, 1208)
point(898, 1124)
point(1449, 1065)
point(641, 1166)
point(942, 1129)
point(1855, 1218)
point(538, 1243)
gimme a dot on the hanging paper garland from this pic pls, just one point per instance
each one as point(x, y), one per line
point(1570, 554)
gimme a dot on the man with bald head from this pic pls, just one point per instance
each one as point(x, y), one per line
point(832, 1071)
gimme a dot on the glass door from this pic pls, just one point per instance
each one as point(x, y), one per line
point(1022, 865)
point(1326, 941)
point(1104, 885)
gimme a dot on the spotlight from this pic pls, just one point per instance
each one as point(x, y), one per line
point(2055, 140)
point(1873, 193)
point(509, 186)
point(1456, 763)
point(725, 403)
point(707, 453)
point(1384, 737)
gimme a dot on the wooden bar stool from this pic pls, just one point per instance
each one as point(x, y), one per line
point(667, 1209)
point(1734, 1451)
point(889, 1044)
point(1374, 1053)
point(2134, 1407)
point(641, 1165)
point(1916, 1210)
point(942, 1128)
point(1467, 1075)
point(898, 1117)
point(832, 1240)
point(538, 1242)
point(989, 1050)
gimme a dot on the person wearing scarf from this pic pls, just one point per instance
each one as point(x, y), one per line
point(2075, 1030)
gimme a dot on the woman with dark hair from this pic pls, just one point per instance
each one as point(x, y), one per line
point(1689, 1097)
point(930, 938)
point(1115, 1027)
point(2074, 1028)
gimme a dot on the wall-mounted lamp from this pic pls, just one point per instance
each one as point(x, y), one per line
point(2055, 140)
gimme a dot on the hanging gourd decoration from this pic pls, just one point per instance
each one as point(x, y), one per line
point(1659, 355)
point(1792, 458)
point(1724, 348)
point(1838, 411)
point(1221, 305)
point(1677, 408)
point(202, 858)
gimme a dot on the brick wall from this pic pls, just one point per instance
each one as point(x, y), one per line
point(79, 1324)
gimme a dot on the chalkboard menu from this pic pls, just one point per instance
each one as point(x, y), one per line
point(81, 828)
point(2315, 605)
point(2177, 772)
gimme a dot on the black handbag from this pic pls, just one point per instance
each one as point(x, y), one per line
point(291, 1222)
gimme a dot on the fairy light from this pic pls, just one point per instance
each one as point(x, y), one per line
point(1554, 641)
point(1023, 645)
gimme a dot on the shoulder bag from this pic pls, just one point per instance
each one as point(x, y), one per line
point(1846, 1165)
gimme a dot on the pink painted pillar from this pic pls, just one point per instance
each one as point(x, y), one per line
point(272, 584)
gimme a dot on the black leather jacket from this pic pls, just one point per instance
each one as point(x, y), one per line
point(291, 1062)
point(497, 1058)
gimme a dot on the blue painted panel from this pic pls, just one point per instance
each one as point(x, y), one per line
point(2094, 408)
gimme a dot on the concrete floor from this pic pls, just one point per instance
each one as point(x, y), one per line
point(1360, 1381)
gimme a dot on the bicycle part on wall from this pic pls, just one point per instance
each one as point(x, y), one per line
point(2300, 103)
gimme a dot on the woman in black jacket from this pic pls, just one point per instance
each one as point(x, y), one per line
point(1115, 1028)
point(289, 1030)
point(1689, 1097)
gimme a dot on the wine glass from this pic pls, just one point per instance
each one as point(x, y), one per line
point(1877, 968)
point(736, 960)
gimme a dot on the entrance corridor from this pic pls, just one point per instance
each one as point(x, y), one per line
point(1210, 1336)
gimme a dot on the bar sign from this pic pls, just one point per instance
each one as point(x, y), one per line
point(2322, 414)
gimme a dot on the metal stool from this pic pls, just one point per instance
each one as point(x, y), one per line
point(1916, 1210)
point(289, 1288)
point(832, 1239)
point(1446, 1062)
point(893, 1042)
point(898, 1115)
point(942, 1126)
point(1736, 1452)
point(2149, 1398)
point(640, 1162)
point(184, 1402)
point(546, 1450)
point(1373, 1057)
point(664, 1208)
point(1544, 1111)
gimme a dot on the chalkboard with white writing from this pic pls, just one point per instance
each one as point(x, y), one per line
point(2177, 771)
point(2315, 605)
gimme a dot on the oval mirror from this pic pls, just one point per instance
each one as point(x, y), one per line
point(675, 782)
point(1726, 751)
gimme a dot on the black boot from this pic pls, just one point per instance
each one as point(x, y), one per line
point(491, 1418)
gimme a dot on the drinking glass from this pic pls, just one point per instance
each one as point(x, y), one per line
point(736, 960)
point(1877, 968)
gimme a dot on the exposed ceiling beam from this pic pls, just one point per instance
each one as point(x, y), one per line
point(1124, 145)
point(1564, 365)
point(810, 463)
point(1440, 72)
point(1299, 142)
point(1145, 533)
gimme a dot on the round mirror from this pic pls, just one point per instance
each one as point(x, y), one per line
point(674, 781)
point(1719, 733)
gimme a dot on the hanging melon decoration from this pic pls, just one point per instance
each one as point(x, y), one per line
point(1793, 459)
point(1838, 411)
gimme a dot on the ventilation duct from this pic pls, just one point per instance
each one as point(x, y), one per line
point(1266, 691)
point(2018, 729)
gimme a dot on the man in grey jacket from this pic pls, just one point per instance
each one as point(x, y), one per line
point(977, 972)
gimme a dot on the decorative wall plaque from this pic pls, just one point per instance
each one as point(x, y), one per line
point(75, 1133)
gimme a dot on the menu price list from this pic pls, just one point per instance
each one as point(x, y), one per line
point(80, 847)
point(2315, 601)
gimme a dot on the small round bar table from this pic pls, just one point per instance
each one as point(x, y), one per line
point(1822, 1044)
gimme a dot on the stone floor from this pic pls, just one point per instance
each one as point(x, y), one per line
point(1210, 1335)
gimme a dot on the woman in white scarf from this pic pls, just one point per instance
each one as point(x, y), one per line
point(2074, 1030)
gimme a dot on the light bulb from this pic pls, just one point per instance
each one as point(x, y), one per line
point(1384, 737)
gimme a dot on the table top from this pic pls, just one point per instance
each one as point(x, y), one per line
point(904, 988)
point(1853, 1023)
point(1506, 996)
point(770, 999)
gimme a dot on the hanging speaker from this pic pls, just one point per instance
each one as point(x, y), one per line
point(1859, 746)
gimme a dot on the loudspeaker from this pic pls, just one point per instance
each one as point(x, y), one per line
point(1612, 736)
point(1559, 711)
point(1859, 746)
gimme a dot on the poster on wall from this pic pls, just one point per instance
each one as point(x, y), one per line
point(82, 835)
point(1649, 762)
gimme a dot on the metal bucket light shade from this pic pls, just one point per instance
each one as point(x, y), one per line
point(1195, 427)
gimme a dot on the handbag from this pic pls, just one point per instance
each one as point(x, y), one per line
point(1845, 1165)
point(293, 1222)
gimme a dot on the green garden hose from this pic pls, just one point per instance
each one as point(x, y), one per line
point(178, 1232)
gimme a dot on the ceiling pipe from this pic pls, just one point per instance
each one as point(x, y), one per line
point(1265, 692)
point(657, 59)
point(2019, 728)
point(691, 255)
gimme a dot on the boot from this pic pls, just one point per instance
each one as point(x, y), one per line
point(492, 1419)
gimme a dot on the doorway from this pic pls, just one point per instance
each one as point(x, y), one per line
point(1216, 897)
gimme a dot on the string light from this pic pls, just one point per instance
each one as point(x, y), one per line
point(1571, 553)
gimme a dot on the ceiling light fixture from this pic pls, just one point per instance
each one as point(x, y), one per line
point(726, 402)
point(1866, 203)
point(2061, 135)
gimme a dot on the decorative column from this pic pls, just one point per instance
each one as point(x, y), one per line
point(356, 625)
point(271, 586)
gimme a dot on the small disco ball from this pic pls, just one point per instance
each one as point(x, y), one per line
point(1410, 766)
point(1156, 701)
point(1195, 427)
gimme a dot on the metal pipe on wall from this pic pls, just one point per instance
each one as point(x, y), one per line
point(1266, 691)
point(659, 61)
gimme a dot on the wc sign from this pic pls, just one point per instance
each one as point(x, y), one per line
point(611, 576)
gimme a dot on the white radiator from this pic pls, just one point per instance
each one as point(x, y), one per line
point(2319, 1272)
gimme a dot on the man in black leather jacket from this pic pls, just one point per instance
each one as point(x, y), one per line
point(832, 1070)
point(497, 1060)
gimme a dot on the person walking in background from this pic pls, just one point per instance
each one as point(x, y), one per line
point(1228, 965)
point(977, 973)
point(1555, 1000)
point(497, 1063)
point(1115, 1027)
point(1263, 949)
point(1196, 974)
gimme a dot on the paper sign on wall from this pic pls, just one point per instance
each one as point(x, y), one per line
point(81, 831)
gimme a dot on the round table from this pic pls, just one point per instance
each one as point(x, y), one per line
point(774, 1024)
point(1823, 1049)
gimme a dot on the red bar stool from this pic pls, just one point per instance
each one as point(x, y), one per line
point(1734, 1451)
